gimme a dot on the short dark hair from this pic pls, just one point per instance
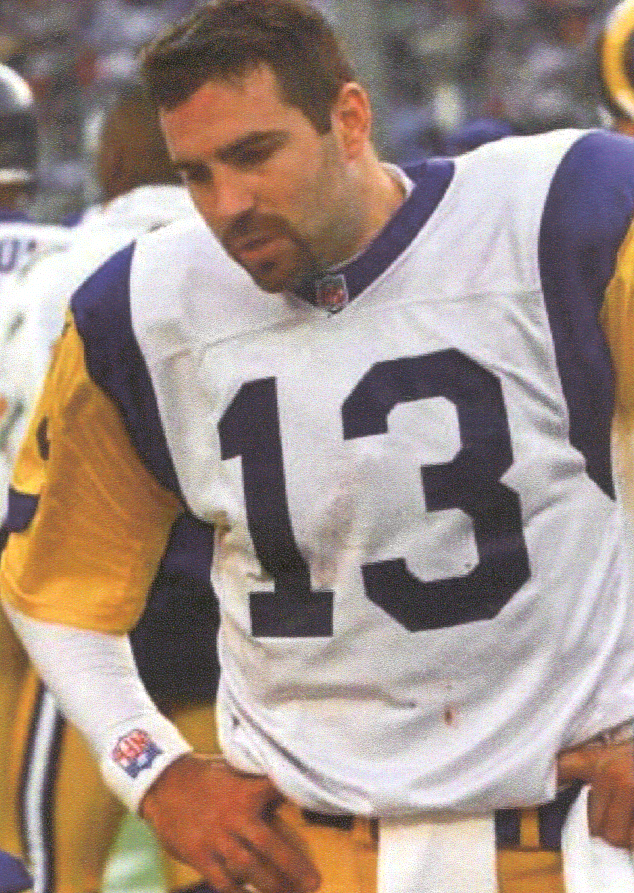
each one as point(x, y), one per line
point(227, 38)
point(132, 150)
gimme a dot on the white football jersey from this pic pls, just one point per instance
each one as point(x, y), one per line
point(47, 285)
point(419, 554)
point(22, 238)
point(21, 241)
point(423, 587)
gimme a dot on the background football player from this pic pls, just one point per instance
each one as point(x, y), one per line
point(20, 237)
point(615, 66)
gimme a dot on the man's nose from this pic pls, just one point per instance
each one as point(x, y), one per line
point(230, 197)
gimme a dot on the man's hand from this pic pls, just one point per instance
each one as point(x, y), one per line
point(215, 819)
point(609, 770)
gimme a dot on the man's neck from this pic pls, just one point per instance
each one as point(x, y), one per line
point(386, 192)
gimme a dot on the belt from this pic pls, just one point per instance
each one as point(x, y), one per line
point(342, 821)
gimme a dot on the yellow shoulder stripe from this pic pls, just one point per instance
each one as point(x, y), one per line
point(617, 319)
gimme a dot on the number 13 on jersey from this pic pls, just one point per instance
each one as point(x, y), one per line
point(471, 481)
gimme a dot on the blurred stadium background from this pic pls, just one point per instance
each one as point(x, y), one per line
point(443, 75)
point(433, 67)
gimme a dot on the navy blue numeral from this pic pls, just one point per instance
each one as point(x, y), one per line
point(9, 252)
point(471, 482)
point(250, 428)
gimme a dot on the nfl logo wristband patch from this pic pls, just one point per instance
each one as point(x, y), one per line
point(138, 755)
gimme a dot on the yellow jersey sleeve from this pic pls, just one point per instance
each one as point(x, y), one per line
point(617, 319)
point(92, 548)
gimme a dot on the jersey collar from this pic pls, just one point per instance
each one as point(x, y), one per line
point(343, 284)
point(7, 216)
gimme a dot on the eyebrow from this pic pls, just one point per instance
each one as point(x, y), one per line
point(254, 140)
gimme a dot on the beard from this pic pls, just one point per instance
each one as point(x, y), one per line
point(271, 251)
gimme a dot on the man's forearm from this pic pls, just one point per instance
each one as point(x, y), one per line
point(95, 681)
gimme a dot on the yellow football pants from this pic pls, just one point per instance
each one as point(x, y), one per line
point(347, 857)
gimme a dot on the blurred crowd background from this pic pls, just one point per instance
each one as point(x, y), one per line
point(441, 73)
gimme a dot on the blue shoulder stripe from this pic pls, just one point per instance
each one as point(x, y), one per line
point(101, 308)
point(13, 874)
point(189, 550)
point(586, 216)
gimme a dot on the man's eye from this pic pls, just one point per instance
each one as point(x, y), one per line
point(194, 175)
point(256, 155)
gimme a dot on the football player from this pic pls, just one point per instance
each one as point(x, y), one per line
point(392, 394)
point(615, 64)
point(20, 236)
point(66, 819)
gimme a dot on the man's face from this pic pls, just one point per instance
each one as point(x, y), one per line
point(269, 186)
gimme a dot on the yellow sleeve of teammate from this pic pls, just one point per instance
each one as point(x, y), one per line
point(92, 548)
point(617, 318)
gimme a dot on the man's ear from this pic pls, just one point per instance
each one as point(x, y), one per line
point(352, 119)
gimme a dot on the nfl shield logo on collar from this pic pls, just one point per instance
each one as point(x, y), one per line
point(331, 293)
